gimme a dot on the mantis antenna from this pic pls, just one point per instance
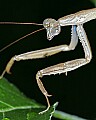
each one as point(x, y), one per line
point(20, 37)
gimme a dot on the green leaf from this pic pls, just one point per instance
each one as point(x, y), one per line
point(46, 116)
point(65, 116)
point(11, 98)
point(14, 105)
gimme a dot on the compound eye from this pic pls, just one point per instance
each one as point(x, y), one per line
point(48, 23)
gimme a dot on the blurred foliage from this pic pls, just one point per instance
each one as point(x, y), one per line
point(94, 2)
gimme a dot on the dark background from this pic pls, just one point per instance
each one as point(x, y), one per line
point(75, 93)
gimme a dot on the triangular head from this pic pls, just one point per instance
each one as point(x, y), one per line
point(52, 27)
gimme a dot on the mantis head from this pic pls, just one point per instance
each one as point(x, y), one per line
point(52, 27)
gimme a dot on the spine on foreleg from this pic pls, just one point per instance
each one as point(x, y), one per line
point(74, 64)
point(55, 69)
point(63, 67)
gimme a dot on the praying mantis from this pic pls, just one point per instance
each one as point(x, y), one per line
point(53, 28)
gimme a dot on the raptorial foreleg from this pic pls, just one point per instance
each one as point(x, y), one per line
point(66, 66)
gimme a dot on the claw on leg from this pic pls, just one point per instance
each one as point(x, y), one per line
point(43, 90)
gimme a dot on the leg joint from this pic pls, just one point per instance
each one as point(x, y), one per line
point(88, 58)
point(39, 75)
